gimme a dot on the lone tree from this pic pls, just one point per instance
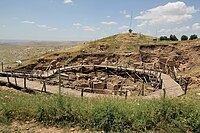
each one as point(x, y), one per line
point(173, 38)
point(192, 37)
point(164, 38)
point(130, 30)
point(184, 38)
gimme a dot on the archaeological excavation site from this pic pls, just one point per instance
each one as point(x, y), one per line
point(99, 66)
point(124, 65)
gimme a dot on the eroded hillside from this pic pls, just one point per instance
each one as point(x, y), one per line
point(128, 50)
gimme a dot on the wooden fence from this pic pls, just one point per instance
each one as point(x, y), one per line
point(117, 70)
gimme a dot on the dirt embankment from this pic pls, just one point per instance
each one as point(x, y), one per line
point(152, 53)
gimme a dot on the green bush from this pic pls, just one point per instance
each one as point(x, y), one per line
point(173, 38)
point(164, 38)
point(184, 38)
point(192, 37)
point(109, 117)
point(58, 112)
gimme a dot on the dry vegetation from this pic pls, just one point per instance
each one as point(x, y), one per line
point(30, 51)
point(25, 114)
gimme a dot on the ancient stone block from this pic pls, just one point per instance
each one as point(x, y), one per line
point(98, 85)
point(171, 63)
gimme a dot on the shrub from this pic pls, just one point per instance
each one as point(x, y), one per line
point(58, 113)
point(184, 38)
point(109, 117)
point(164, 38)
point(173, 38)
point(130, 30)
point(192, 37)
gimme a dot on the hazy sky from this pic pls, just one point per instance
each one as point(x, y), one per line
point(92, 19)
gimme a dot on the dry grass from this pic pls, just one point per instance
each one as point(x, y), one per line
point(107, 114)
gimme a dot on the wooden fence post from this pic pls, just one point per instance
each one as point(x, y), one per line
point(117, 70)
point(160, 75)
point(161, 82)
point(181, 80)
point(144, 68)
point(8, 77)
point(25, 81)
point(106, 67)
point(44, 86)
point(143, 86)
point(82, 90)
point(81, 67)
point(135, 80)
point(94, 69)
point(2, 66)
point(92, 87)
point(59, 77)
point(164, 92)
point(186, 87)
point(15, 80)
point(126, 94)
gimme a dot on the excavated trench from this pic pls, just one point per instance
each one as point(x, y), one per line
point(105, 81)
point(146, 54)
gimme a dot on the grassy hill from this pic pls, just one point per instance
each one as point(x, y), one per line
point(116, 43)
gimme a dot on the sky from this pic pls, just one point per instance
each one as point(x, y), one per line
point(86, 20)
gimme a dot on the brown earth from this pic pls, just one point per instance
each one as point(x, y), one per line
point(34, 127)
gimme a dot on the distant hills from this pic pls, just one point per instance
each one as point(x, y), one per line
point(35, 42)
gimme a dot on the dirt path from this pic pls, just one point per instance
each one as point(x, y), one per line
point(36, 85)
point(34, 127)
point(173, 89)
